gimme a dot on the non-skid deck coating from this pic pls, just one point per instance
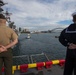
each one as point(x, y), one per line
point(54, 70)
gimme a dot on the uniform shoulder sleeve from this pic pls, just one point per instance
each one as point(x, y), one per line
point(62, 38)
point(13, 34)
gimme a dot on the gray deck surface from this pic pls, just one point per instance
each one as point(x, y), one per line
point(54, 70)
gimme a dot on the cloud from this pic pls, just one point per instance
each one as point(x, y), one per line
point(40, 14)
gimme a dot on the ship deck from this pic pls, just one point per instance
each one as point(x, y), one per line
point(54, 70)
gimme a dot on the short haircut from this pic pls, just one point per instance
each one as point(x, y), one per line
point(2, 16)
point(74, 18)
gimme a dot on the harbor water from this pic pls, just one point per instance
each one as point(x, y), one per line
point(37, 44)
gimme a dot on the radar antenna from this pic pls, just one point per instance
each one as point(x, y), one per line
point(1, 4)
point(7, 14)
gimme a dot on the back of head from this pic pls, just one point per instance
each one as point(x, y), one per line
point(2, 19)
point(2, 16)
point(74, 16)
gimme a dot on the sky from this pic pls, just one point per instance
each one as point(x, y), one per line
point(41, 14)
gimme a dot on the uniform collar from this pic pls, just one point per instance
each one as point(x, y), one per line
point(71, 28)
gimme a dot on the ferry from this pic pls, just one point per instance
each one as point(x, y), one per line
point(48, 67)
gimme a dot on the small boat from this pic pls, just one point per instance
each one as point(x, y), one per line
point(28, 36)
point(56, 36)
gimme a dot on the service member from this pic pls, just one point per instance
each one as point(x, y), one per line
point(8, 38)
point(68, 39)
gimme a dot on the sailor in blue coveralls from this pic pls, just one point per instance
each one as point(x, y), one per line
point(68, 39)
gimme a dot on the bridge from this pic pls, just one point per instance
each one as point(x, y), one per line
point(59, 28)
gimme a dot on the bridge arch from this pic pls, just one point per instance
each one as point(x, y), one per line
point(56, 29)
